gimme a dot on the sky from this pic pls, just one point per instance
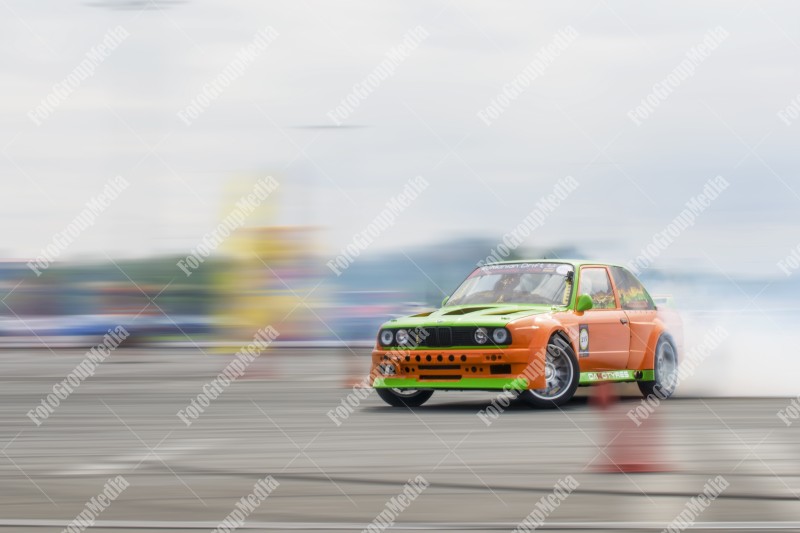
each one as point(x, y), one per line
point(571, 118)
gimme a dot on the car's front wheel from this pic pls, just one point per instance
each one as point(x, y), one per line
point(562, 376)
point(665, 370)
point(404, 397)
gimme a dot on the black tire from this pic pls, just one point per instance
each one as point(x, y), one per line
point(563, 372)
point(665, 366)
point(404, 398)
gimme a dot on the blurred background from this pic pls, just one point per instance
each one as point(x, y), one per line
point(196, 171)
point(189, 104)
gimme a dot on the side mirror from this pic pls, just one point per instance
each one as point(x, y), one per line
point(444, 302)
point(584, 303)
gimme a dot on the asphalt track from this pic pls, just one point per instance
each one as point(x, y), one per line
point(123, 422)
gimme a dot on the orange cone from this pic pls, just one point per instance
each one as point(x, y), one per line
point(633, 444)
point(356, 372)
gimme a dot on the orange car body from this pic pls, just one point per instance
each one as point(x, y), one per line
point(614, 340)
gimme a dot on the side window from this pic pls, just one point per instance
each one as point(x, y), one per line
point(632, 294)
point(594, 282)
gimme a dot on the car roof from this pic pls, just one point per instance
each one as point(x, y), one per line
point(574, 262)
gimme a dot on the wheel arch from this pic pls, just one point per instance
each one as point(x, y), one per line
point(539, 342)
point(659, 331)
point(565, 336)
point(557, 331)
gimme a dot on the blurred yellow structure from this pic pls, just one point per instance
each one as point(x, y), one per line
point(266, 278)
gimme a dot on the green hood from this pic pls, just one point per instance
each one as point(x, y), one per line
point(489, 315)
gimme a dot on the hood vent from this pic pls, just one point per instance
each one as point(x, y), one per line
point(506, 312)
point(465, 310)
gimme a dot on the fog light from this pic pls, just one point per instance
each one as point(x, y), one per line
point(387, 369)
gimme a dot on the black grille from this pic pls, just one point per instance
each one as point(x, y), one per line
point(464, 336)
point(445, 336)
point(499, 369)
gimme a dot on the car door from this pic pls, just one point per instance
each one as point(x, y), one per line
point(603, 331)
point(640, 310)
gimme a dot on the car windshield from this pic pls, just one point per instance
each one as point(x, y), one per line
point(516, 283)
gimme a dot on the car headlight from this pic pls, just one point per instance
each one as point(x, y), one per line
point(386, 337)
point(481, 336)
point(401, 336)
point(500, 336)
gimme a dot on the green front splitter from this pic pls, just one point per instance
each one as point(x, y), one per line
point(463, 383)
point(587, 378)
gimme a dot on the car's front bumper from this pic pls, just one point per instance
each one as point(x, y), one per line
point(458, 368)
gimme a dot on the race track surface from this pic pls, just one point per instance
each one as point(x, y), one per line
point(122, 422)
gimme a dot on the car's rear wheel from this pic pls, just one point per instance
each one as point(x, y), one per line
point(562, 375)
point(665, 370)
point(404, 397)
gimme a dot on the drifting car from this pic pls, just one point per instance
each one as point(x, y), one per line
point(541, 328)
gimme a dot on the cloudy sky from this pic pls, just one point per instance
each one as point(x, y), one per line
point(571, 117)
